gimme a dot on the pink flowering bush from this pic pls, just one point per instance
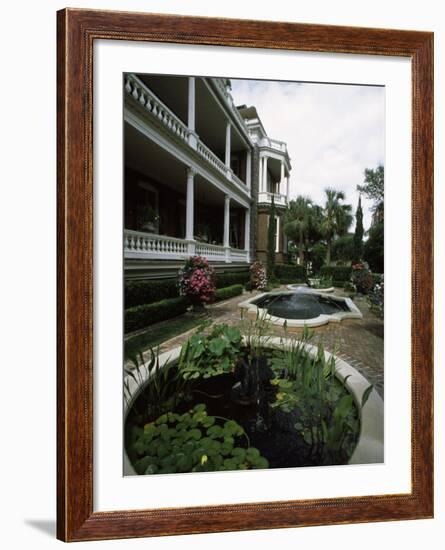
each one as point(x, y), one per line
point(258, 279)
point(197, 281)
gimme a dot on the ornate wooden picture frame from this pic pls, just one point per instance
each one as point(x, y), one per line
point(77, 31)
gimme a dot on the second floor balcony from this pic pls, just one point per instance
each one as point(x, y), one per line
point(265, 198)
point(191, 119)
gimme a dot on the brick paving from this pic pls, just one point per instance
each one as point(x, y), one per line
point(358, 342)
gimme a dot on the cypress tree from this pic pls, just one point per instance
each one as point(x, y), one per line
point(271, 243)
point(358, 234)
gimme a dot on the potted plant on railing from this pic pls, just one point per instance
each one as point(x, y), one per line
point(197, 282)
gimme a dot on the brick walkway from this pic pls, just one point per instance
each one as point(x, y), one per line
point(359, 342)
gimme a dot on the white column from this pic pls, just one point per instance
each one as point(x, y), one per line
point(287, 187)
point(189, 221)
point(228, 135)
point(264, 174)
point(247, 233)
point(281, 186)
point(191, 104)
point(260, 176)
point(226, 221)
point(248, 169)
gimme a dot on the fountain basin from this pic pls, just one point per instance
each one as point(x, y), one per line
point(300, 309)
point(304, 288)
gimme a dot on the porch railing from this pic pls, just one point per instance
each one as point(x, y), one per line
point(266, 198)
point(140, 245)
point(135, 88)
point(139, 91)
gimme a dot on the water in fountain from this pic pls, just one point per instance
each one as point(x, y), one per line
point(300, 305)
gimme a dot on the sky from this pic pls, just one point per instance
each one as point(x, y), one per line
point(333, 132)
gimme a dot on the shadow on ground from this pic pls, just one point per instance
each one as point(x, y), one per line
point(46, 526)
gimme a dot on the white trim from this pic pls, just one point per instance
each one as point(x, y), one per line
point(183, 156)
point(323, 319)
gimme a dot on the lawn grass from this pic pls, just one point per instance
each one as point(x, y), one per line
point(161, 332)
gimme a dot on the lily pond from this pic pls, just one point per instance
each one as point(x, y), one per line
point(236, 400)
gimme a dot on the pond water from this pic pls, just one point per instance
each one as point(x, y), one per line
point(271, 431)
point(300, 305)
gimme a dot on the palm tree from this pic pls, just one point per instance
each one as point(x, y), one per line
point(337, 218)
point(297, 220)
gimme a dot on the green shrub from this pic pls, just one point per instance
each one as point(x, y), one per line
point(228, 279)
point(139, 293)
point(228, 292)
point(339, 274)
point(289, 273)
point(147, 314)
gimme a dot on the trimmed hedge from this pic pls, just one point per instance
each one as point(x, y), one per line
point(290, 273)
point(339, 274)
point(228, 292)
point(139, 293)
point(224, 280)
point(147, 314)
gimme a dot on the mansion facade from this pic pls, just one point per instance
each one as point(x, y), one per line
point(200, 175)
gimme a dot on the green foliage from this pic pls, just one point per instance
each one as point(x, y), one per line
point(338, 273)
point(289, 273)
point(374, 185)
point(297, 219)
point(191, 442)
point(142, 316)
point(326, 415)
point(376, 297)
point(165, 388)
point(271, 242)
point(374, 248)
point(336, 219)
point(343, 248)
point(138, 293)
point(318, 256)
point(228, 292)
point(358, 234)
point(257, 332)
point(362, 278)
point(323, 282)
point(212, 354)
point(228, 279)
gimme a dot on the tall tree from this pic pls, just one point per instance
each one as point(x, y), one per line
point(358, 234)
point(336, 220)
point(271, 242)
point(373, 188)
point(374, 248)
point(297, 219)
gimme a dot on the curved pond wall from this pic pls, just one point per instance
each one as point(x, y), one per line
point(370, 445)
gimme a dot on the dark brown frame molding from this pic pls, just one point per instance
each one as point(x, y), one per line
point(77, 30)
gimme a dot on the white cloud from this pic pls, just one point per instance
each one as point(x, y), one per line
point(333, 132)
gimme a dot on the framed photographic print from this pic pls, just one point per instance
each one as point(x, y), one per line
point(245, 214)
